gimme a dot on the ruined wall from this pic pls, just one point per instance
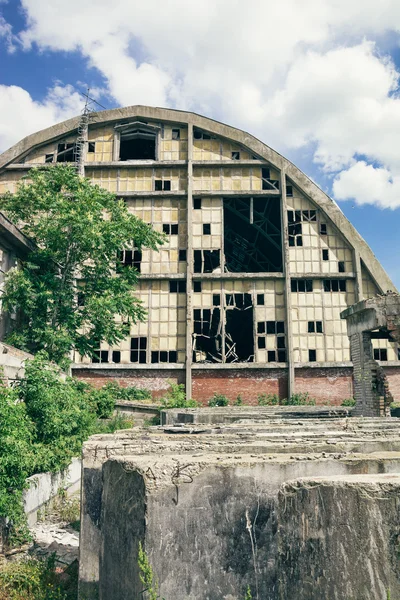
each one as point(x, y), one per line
point(339, 538)
point(158, 382)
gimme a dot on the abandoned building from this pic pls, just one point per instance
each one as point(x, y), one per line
point(246, 295)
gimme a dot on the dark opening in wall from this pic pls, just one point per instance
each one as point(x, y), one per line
point(341, 267)
point(164, 356)
point(196, 203)
point(100, 356)
point(197, 286)
point(239, 339)
point(235, 155)
point(289, 191)
point(206, 261)
point(137, 145)
point(312, 355)
point(49, 158)
point(176, 134)
point(66, 152)
point(116, 356)
point(138, 349)
point(325, 254)
point(171, 228)
point(91, 147)
point(206, 228)
point(267, 182)
point(315, 327)
point(334, 285)
point(129, 258)
point(260, 300)
point(380, 354)
point(252, 235)
point(177, 286)
point(182, 255)
point(207, 338)
point(323, 229)
point(301, 285)
point(162, 185)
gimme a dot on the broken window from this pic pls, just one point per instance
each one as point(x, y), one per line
point(201, 135)
point(206, 228)
point(252, 235)
point(325, 254)
point(334, 285)
point(138, 350)
point(176, 134)
point(138, 144)
point(239, 339)
point(49, 158)
point(91, 147)
point(301, 285)
point(196, 203)
point(164, 356)
point(197, 286)
point(162, 185)
point(66, 152)
point(312, 356)
point(207, 335)
point(170, 228)
point(235, 155)
point(277, 329)
point(206, 261)
point(289, 191)
point(116, 356)
point(100, 356)
point(315, 327)
point(380, 354)
point(177, 287)
point(130, 258)
point(260, 300)
point(341, 267)
point(267, 182)
point(182, 255)
point(323, 229)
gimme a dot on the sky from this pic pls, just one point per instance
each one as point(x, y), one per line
point(317, 80)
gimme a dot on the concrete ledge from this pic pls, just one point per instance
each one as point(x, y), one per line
point(43, 487)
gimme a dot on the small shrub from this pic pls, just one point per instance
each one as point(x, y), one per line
point(268, 399)
point(238, 401)
point(248, 595)
point(146, 575)
point(176, 398)
point(218, 400)
point(300, 399)
point(32, 579)
point(349, 402)
point(118, 421)
point(131, 393)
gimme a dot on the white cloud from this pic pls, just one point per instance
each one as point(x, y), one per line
point(7, 34)
point(294, 73)
point(368, 185)
point(25, 116)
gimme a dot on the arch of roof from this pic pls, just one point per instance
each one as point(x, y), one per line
point(298, 178)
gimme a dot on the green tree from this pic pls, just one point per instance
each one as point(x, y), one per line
point(79, 230)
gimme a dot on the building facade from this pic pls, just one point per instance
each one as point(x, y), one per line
point(245, 296)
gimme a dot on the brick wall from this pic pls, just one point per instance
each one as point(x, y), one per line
point(248, 383)
point(393, 376)
point(327, 386)
point(156, 381)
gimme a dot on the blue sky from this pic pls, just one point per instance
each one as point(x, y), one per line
point(317, 80)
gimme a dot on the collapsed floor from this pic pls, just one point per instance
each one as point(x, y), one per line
point(213, 508)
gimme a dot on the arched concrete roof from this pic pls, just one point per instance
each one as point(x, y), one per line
point(308, 187)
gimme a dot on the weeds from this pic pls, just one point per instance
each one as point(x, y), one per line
point(176, 397)
point(146, 575)
point(267, 399)
point(218, 400)
point(348, 402)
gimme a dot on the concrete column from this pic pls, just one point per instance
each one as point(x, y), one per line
point(189, 265)
point(288, 299)
point(364, 370)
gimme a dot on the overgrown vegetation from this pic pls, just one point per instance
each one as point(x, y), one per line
point(79, 229)
point(218, 400)
point(34, 579)
point(147, 576)
point(300, 399)
point(176, 397)
point(268, 399)
point(44, 421)
point(348, 402)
